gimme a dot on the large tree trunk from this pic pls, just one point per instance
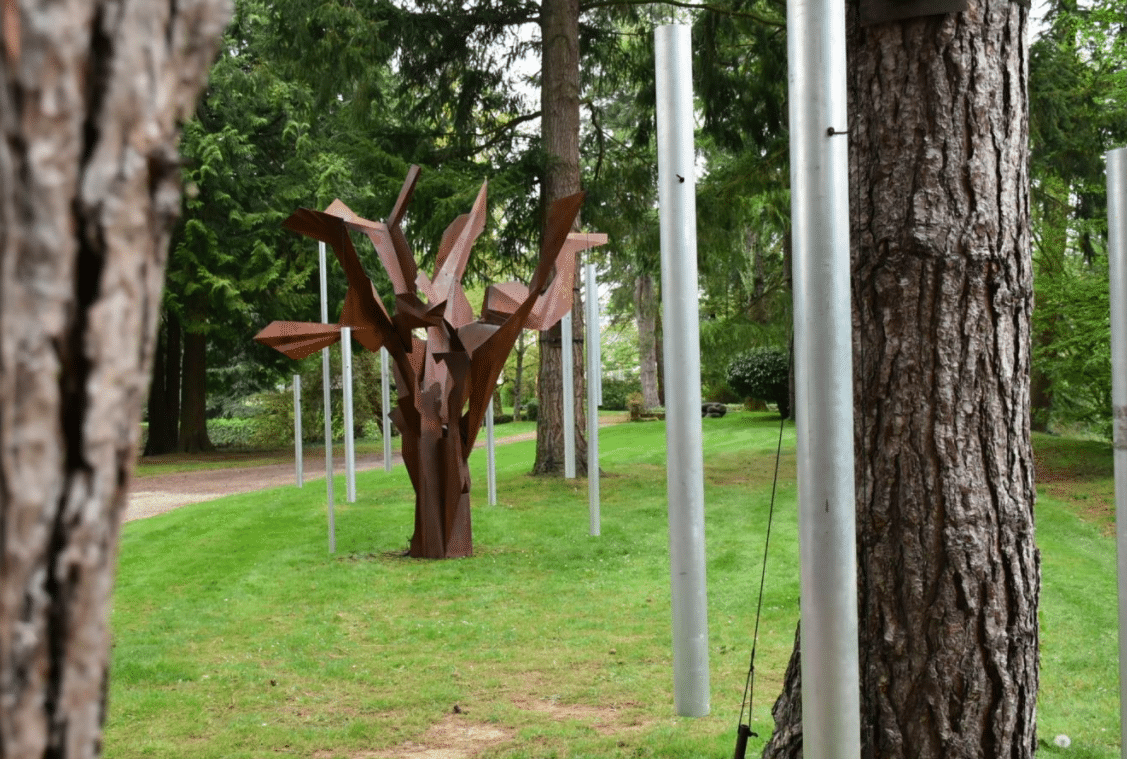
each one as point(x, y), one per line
point(164, 391)
point(559, 124)
point(645, 315)
point(518, 378)
point(942, 292)
point(90, 95)
point(193, 405)
point(1051, 250)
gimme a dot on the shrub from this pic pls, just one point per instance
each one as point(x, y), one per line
point(637, 406)
point(230, 433)
point(762, 374)
point(720, 393)
point(616, 391)
point(530, 411)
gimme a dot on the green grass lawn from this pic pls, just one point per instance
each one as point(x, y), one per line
point(237, 635)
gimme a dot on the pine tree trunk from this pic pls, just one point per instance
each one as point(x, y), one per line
point(942, 292)
point(645, 311)
point(1051, 251)
point(90, 95)
point(164, 391)
point(172, 384)
point(193, 404)
point(518, 379)
point(559, 124)
point(157, 402)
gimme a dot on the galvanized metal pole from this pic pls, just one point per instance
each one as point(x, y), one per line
point(297, 453)
point(325, 386)
point(490, 457)
point(823, 378)
point(595, 368)
point(385, 401)
point(593, 371)
point(1117, 265)
point(349, 440)
point(681, 340)
point(568, 392)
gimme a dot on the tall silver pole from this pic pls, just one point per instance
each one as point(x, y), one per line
point(685, 461)
point(297, 453)
point(385, 404)
point(823, 378)
point(591, 311)
point(568, 361)
point(490, 457)
point(349, 440)
point(1117, 265)
point(593, 371)
point(325, 382)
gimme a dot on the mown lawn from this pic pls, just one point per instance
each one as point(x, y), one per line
point(237, 635)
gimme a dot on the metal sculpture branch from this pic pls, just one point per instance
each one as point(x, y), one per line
point(444, 382)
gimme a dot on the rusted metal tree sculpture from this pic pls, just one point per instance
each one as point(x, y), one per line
point(444, 382)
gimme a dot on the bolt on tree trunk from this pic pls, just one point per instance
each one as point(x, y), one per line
point(942, 293)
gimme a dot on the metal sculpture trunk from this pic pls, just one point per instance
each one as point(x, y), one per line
point(444, 382)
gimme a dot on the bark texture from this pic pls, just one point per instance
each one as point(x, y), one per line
point(193, 403)
point(942, 293)
point(164, 390)
point(559, 125)
point(89, 187)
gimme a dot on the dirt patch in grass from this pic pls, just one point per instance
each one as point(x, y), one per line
point(1078, 472)
point(604, 720)
point(452, 738)
point(457, 737)
point(753, 470)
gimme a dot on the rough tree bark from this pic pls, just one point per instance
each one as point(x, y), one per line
point(90, 95)
point(164, 390)
point(645, 315)
point(942, 292)
point(193, 402)
point(559, 125)
point(518, 377)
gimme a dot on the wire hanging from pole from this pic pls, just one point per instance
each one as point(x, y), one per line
point(744, 731)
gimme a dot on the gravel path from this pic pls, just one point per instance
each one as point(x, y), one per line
point(149, 496)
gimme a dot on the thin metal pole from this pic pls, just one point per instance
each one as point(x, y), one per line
point(568, 392)
point(349, 439)
point(385, 401)
point(490, 457)
point(297, 453)
point(595, 334)
point(593, 371)
point(1117, 265)
point(325, 380)
point(823, 378)
point(681, 340)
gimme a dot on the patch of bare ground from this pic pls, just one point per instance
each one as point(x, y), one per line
point(453, 738)
point(456, 737)
point(604, 720)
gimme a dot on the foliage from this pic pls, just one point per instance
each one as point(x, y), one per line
point(231, 433)
point(617, 391)
point(636, 405)
point(763, 374)
point(1073, 309)
point(1078, 111)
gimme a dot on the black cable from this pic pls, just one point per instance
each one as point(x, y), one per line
point(744, 731)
